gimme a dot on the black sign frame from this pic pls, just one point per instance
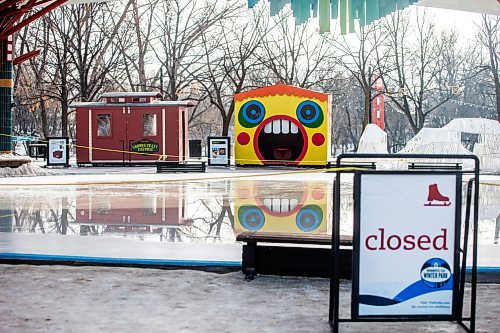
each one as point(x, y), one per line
point(65, 163)
point(227, 141)
point(365, 163)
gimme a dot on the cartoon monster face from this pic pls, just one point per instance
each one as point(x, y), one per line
point(282, 125)
point(260, 206)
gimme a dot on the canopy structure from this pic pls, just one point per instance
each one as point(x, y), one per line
point(367, 11)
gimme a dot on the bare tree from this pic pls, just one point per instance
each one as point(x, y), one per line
point(32, 82)
point(180, 25)
point(362, 56)
point(74, 62)
point(92, 53)
point(348, 115)
point(227, 62)
point(426, 66)
point(489, 36)
point(294, 54)
point(133, 41)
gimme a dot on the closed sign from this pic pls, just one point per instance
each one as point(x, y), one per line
point(405, 245)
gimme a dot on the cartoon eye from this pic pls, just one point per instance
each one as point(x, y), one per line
point(251, 217)
point(309, 218)
point(310, 114)
point(251, 114)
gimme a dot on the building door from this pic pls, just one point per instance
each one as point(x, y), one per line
point(109, 135)
point(144, 134)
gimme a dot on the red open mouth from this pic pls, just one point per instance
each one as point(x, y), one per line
point(280, 140)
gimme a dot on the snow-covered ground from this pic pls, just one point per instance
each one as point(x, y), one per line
point(27, 169)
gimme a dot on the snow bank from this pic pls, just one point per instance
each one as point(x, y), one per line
point(373, 140)
point(438, 141)
point(487, 148)
point(435, 141)
point(448, 140)
point(473, 125)
point(27, 169)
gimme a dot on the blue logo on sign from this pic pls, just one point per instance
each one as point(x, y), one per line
point(435, 272)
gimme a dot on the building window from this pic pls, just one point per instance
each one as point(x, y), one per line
point(104, 208)
point(149, 121)
point(103, 125)
point(117, 99)
point(139, 99)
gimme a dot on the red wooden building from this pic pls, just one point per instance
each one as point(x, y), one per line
point(131, 128)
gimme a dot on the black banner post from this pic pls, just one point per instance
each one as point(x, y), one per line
point(421, 235)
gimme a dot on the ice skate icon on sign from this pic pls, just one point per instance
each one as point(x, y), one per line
point(435, 198)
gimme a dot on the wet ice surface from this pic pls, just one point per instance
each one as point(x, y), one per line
point(198, 212)
point(180, 212)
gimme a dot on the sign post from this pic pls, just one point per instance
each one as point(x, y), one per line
point(58, 151)
point(219, 151)
point(410, 244)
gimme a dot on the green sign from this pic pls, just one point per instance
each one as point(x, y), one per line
point(145, 146)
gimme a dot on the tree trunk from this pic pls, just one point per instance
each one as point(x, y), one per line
point(43, 115)
point(367, 105)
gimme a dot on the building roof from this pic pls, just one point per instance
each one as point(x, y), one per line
point(152, 104)
point(281, 89)
point(131, 94)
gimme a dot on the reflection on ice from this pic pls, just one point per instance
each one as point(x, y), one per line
point(295, 207)
point(205, 212)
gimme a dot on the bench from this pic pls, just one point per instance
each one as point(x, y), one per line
point(175, 166)
point(291, 254)
point(431, 166)
point(37, 150)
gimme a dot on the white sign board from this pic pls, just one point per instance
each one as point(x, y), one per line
point(218, 150)
point(57, 151)
point(405, 245)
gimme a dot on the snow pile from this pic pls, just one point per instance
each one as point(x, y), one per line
point(487, 148)
point(488, 151)
point(27, 169)
point(435, 141)
point(449, 140)
point(438, 141)
point(373, 140)
point(474, 125)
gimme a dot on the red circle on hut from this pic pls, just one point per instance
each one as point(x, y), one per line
point(243, 138)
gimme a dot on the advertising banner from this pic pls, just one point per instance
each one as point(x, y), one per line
point(58, 151)
point(405, 240)
point(218, 151)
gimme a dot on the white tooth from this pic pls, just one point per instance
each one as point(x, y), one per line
point(293, 128)
point(293, 203)
point(268, 203)
point(276, 205)
point(285, 205)
point(285, 126)
point(268, 128)
point(276, 126)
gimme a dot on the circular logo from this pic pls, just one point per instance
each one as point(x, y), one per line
point(435, 272)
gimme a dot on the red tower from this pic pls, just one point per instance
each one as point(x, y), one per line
point(378, 101)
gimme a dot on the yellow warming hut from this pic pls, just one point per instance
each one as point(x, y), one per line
point(282, 125)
